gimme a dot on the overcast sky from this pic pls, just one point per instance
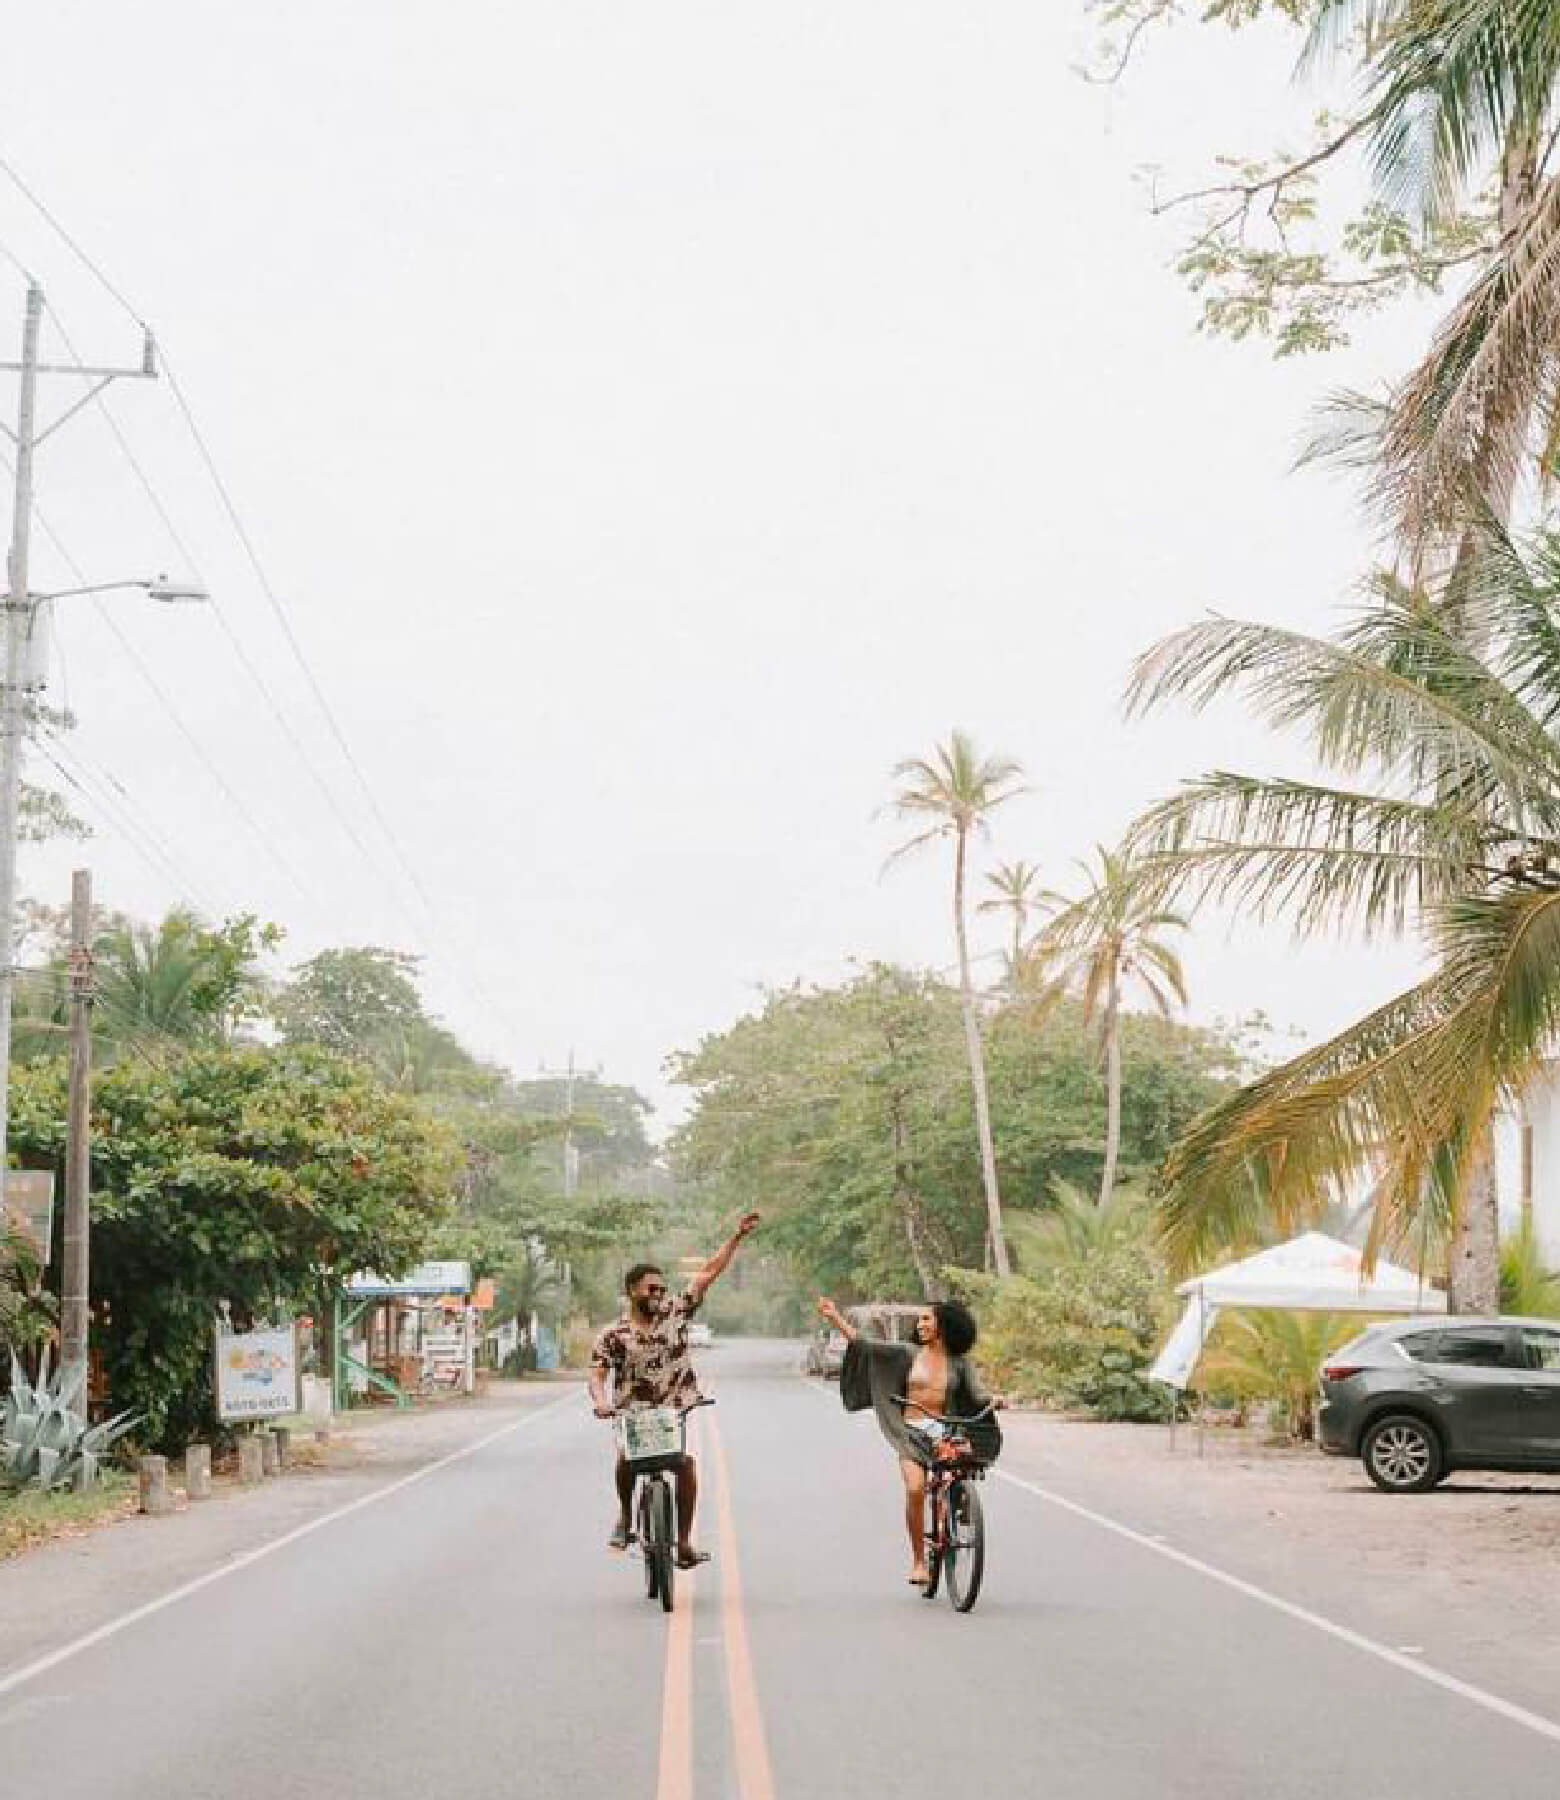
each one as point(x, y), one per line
point(655, 420)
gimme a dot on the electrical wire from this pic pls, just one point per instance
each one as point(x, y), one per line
point(246, 542)
point(251, 669)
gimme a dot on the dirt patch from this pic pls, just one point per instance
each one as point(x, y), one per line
point(1462, 1572)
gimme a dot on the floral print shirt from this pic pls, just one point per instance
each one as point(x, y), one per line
point(650, 1365)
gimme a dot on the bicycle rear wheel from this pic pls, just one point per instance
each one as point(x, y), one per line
point(932, 1537)
point(966, 1544)
point(661, 1537)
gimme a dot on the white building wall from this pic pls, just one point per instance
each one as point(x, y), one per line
point(1540, 1115)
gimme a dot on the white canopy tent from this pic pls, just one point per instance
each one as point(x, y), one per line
point(1311, 1273)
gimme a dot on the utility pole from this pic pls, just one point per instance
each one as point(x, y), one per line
point(18, 618)
point(571, 1156)
point(26, 615)
point(76, 1286)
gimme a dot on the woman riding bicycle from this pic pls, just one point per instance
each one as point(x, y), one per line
point(912, 1387)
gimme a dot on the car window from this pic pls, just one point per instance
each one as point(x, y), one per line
point(1540, 1349)
point(1475, 1346)
point(1421, 1345)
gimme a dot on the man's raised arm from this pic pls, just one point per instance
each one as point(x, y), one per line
point(721, 1260)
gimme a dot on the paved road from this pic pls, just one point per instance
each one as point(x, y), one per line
point(468, 1632)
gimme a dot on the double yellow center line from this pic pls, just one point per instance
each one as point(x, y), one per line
point(750, 1746)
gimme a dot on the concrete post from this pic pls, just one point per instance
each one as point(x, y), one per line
point(282, 1438)
point(197, 1471)
point(251, 1465)
point(155, 1498)
point(270, 1453)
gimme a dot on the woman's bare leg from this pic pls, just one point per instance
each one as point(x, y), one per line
point(915, 1515)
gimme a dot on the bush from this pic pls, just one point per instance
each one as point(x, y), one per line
point(1080, 1334)
point(1274, 1357)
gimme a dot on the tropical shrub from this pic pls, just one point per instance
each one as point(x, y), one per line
point(1274, 1357)
point(1080, 1334)
point(1527, 1285)
point(27, 1308)
point(45, 1440)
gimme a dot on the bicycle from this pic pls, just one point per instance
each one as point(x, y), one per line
point(653, 1441)
point(955, 1531)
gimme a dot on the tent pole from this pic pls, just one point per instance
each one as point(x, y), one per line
point(1202, 1393)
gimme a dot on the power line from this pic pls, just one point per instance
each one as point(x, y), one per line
point(65, 238)
point(274, 601)
point(251, 553)
point(262, 687)
point(135, 812)
point(105, 613)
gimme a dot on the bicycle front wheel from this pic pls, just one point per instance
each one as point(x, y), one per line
point(647, 1539)
point(966, 1545)
point(931, 1544)
point(661, 1537)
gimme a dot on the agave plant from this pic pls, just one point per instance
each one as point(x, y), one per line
point(45, 1440)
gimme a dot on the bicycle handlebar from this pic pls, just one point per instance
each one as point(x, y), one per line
point(681, 1411)
point(942, 1418)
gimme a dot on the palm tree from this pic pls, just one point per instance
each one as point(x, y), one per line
point(1462, 98)
point(1109, 943)
point(1013, 891)
point(1440, 814)
point(957, 789)
point(530, 1292)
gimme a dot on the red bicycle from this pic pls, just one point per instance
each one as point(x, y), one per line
point(955, 1520)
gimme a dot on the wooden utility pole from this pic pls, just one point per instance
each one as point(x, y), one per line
point(76, 1286)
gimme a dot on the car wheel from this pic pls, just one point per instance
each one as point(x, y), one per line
point(1403, 1455)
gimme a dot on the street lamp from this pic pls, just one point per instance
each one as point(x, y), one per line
point(159, 587)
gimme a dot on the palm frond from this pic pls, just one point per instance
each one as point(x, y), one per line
point(1327, 857)
point(1462, 424)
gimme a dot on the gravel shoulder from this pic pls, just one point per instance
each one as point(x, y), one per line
point(1463, 1575)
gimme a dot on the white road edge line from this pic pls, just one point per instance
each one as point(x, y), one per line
point(31, 1671)
point(1421, 1671)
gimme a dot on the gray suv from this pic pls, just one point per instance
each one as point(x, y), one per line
point(1418, 1398)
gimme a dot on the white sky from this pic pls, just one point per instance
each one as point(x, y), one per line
point(656, 419)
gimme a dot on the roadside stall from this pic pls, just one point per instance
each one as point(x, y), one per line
point(395, 1338)
point(1311, 1273)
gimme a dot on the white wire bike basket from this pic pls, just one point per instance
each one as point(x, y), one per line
point(651, 1438)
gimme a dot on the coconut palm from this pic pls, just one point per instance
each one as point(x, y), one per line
point(531, 1291)
point(1013, 889)
point(1463, 98)
point(952, 794)
point(1109, 945)
point(1440, 814)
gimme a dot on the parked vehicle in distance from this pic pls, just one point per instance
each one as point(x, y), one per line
point(700, 1335)
point(893, 1319)
point(1418, 1398)
point(825, 1355)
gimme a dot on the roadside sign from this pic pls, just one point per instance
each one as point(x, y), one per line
point(29, 1205)
point(257, 1373)
point(431, 1279)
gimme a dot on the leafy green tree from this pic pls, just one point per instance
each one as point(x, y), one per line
point(844, 1114)
point(1440, 813)
point(957, 790)
point(351, 1000)
point(259, 1179)
point(1109, 944)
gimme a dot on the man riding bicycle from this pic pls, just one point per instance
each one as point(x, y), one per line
point(644, 1356)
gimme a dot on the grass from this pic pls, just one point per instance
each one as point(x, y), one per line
point(31, 1517)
